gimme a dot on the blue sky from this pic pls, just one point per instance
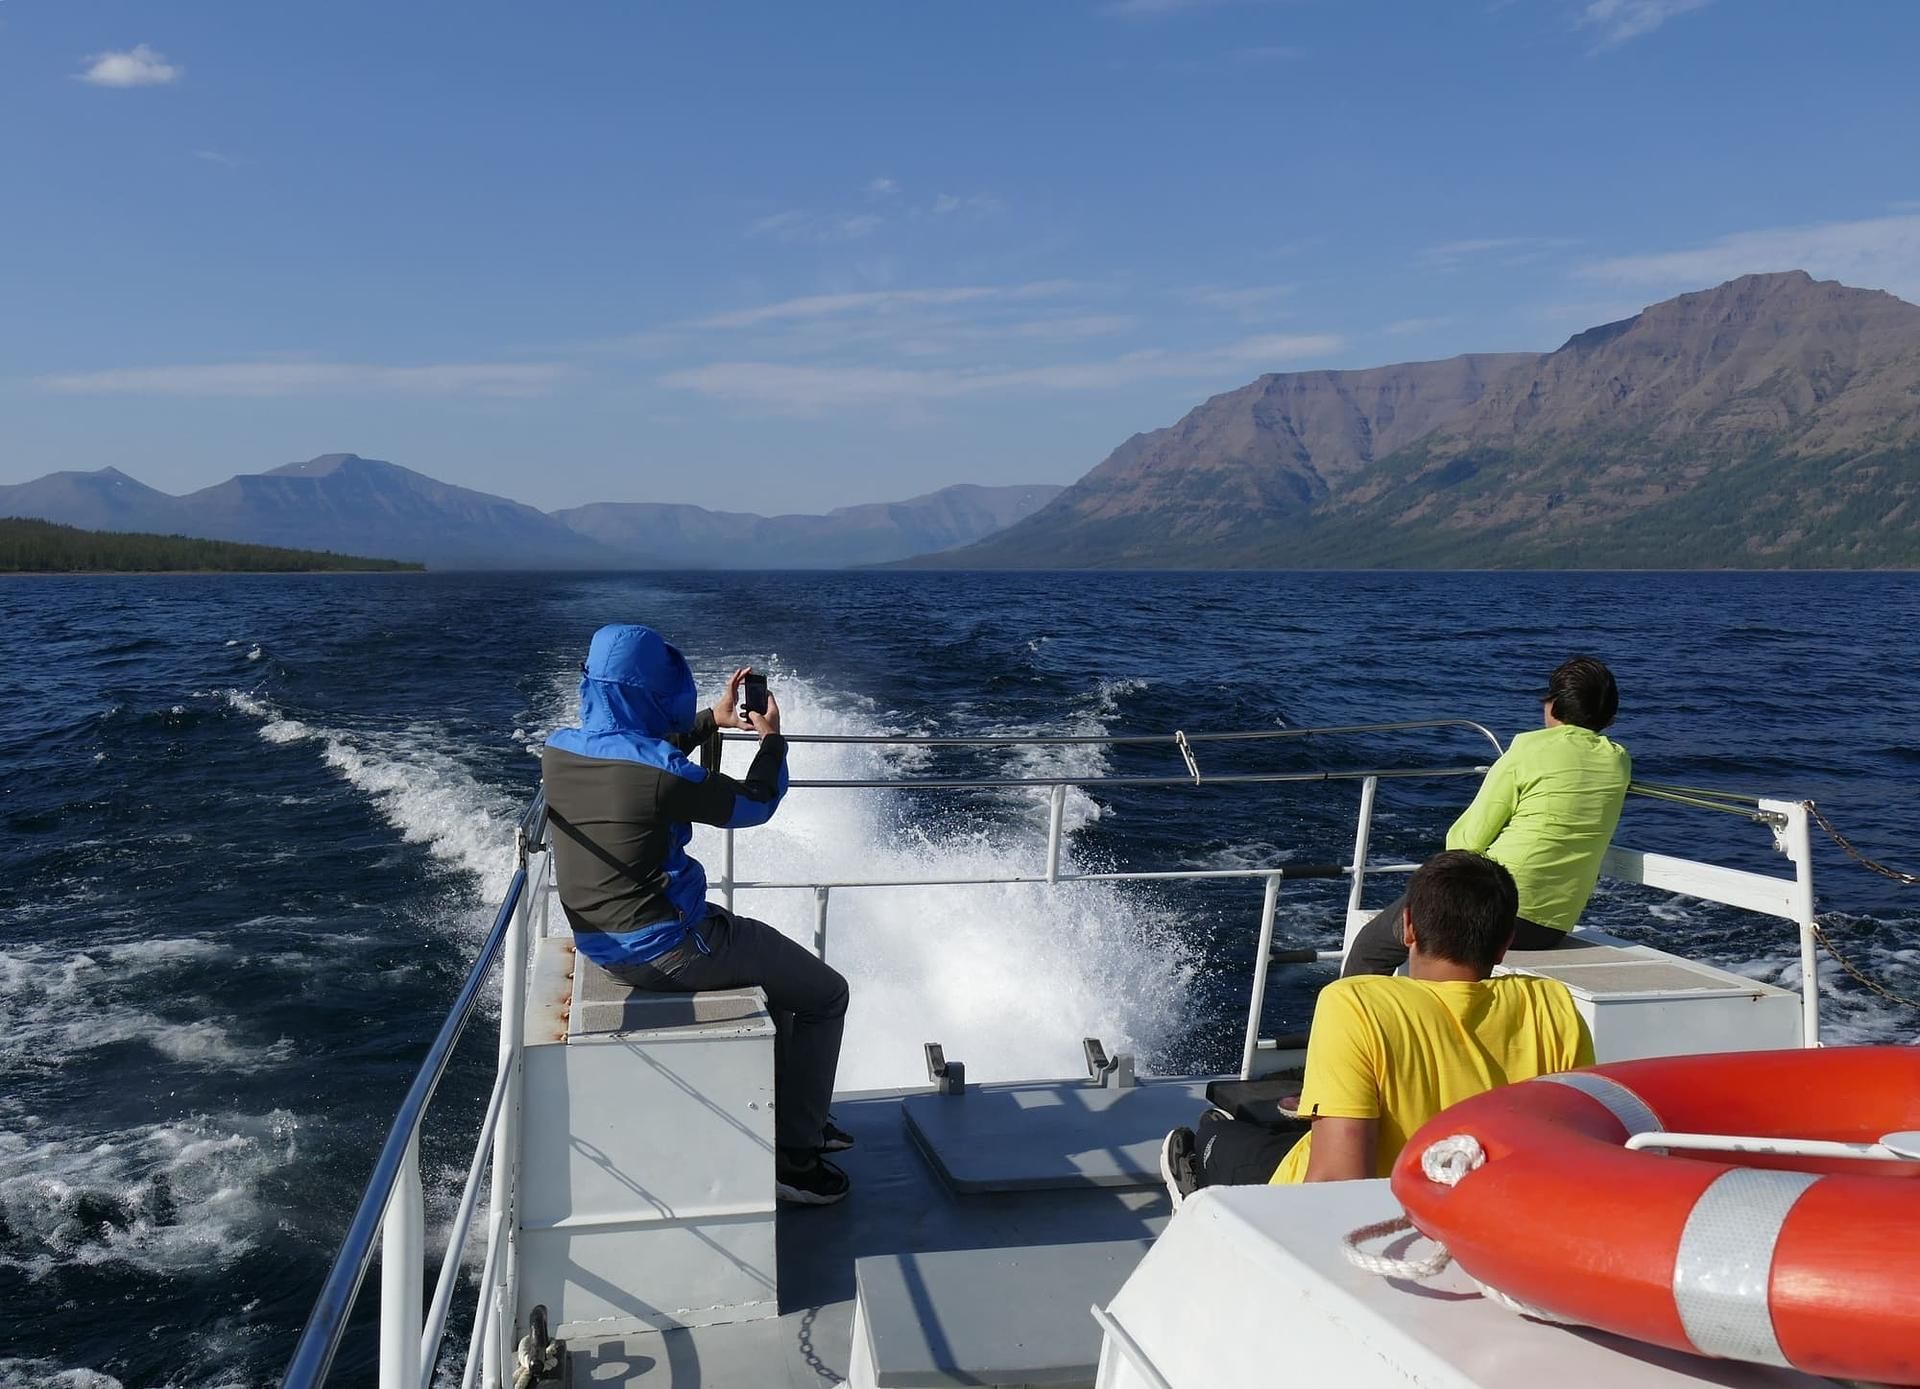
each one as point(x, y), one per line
point(790, 256)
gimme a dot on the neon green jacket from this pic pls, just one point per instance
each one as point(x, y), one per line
point(1547, 811)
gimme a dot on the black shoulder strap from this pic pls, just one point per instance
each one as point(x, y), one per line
point(656, 884)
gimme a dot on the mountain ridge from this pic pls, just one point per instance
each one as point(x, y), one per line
point(350, 504)
point(1769, 421)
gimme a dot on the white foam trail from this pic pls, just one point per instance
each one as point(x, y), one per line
point(1009, 978)
point(55, 1005)
point(420, 786)
point(20, 1373)
point(1849, 1016)
point(1083, 760)
point(164, 1198)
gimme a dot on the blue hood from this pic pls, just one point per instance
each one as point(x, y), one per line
point(636, 691)
point(635, 681)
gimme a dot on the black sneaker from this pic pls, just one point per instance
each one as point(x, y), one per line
point(808, 1181)
point(834, 1139)
point(1178, 1166)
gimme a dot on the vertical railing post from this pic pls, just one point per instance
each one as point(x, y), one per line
point(820, 922)
point(402, 1252)
point(726, 868)
point(1056, 812)
point(1796, 840)
point(1362, 838)
point(506, 1134)
point(1262, 956)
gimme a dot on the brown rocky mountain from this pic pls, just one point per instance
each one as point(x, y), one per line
point(1282, 446)
point(1774, 420)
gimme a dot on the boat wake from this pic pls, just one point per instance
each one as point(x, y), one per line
point(1008, 978)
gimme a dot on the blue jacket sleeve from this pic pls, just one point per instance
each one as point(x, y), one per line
point(717, 799)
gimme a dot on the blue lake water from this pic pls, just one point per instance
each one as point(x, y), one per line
point(253, 828)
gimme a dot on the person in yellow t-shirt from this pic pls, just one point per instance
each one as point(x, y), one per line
point(1388, 1053)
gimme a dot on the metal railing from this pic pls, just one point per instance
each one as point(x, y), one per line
point(391, 1212)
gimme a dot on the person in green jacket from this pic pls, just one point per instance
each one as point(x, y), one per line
point(1546, 812)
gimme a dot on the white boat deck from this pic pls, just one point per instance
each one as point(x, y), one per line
point(900, 1207)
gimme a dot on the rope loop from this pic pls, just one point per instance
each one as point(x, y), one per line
point(1447, 1160)
point(1386, 1265)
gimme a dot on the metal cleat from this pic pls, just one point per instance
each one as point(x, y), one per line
point(948, 1077)
point(1114, 1073)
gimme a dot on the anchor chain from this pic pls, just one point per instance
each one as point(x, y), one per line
point(1872, 865)
point(1905, 879)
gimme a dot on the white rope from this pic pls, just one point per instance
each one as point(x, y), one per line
point(1445, 1161)
point(1387, 1265)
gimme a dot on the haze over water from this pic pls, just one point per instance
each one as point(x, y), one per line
point(254, 827)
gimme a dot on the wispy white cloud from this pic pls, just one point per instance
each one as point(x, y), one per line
point(817, 389)
point(138, 66)
point(1243, 299)
point(267, 379)
point(1620, 21)
point(814, 306)
point(1063, 326)
point(1150, 7)
point(945, 337)
point(1874, 252)
point(1507, 247)
point(820, 228)
point(882, 188)
point(1268, 53)
point(980, 204)
point(1407, 327)
point(225, 161)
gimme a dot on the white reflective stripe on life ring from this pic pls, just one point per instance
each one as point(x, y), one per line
point(1634, 1114)
point(1723, 1268)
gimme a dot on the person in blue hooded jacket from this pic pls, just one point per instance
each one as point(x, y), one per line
point(623, 799)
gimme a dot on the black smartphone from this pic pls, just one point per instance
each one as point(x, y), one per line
point(753, 693)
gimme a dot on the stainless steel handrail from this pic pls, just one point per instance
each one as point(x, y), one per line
point(314, 1352)
point(996, 740)
point(1230, 779)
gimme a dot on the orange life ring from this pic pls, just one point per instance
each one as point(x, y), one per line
point(1812, 1264)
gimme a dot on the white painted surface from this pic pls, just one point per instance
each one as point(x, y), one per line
point(646, 1181)
point(1248, 1289)
point(1641, 1002)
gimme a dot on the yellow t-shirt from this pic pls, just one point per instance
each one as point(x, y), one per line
point(1401, 1050)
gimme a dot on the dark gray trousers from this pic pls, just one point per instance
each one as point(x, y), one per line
point(1233, 1152)
point(807, 997)
point(1378, 948)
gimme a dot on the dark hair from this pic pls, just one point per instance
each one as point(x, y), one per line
point(1463, 907)
point(1581, 691)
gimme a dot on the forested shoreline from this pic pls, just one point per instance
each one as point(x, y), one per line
point(42, 547)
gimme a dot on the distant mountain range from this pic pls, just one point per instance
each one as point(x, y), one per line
point(692, 537)
point(1771, 422)
point(353, 505)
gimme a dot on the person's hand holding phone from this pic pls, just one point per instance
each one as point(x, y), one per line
point(766, 723)
point(726, 711)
